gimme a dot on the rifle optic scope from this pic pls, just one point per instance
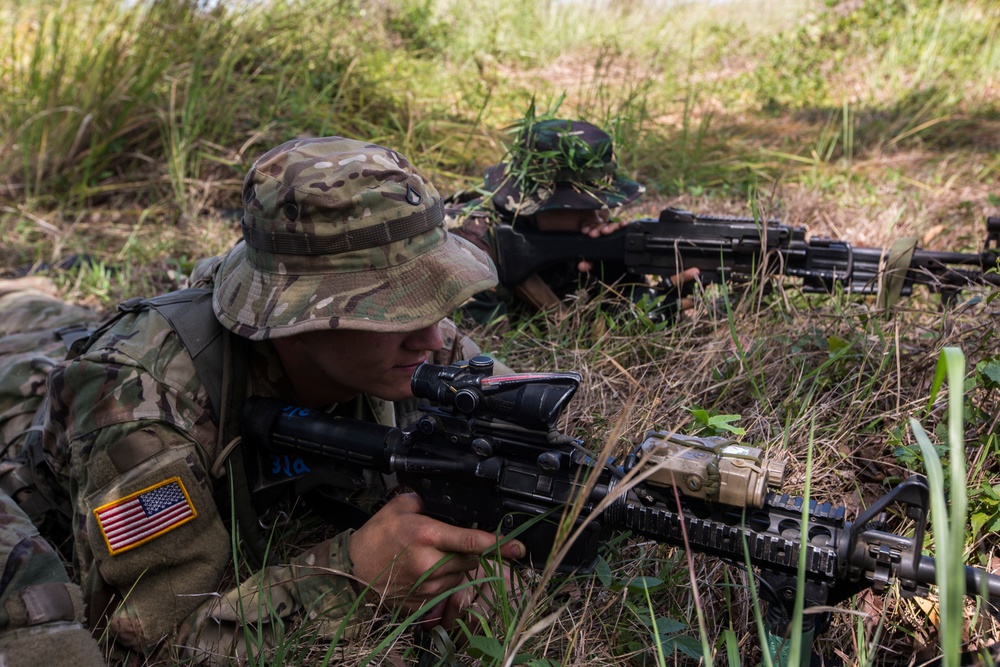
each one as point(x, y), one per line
point(533, 400)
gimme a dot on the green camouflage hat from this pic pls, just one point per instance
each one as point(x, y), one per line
point(560, 164)
point(343, 234)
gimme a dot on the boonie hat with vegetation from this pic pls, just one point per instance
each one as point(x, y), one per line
point(342, 234)
point(560, 164)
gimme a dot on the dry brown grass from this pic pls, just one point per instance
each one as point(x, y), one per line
point(773, 361)
point(786, 383)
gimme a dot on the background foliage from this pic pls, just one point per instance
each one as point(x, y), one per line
point(126, 128)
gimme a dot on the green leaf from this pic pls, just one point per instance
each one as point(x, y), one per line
point(989, 371)
point(701, 416)
point(978, 520)
point(908, 456)
point(544, 662)
point(723, 422)
point(732, 646)
point(667, 626)
point(640, 584)
point(836, 343)
point(485, 647)
point(603, 572)
point(687, 645)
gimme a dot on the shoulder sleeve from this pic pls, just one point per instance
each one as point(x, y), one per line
point(316, 586)
point(137, 371)
point(151, 546)
point(473, 225)
point(133, 428)
point(156, 554)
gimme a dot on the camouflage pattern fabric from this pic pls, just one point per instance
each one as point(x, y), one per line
point(131, 414)
point(29, 349)
point(337, 233)
point(473, 221)
point(343, 234)
point(41, 612)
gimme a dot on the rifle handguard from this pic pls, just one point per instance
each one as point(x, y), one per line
point(490, 456)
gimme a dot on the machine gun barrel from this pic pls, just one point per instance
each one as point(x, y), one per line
point(735, 249)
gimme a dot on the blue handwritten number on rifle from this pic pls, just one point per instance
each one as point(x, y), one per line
point(287, 466)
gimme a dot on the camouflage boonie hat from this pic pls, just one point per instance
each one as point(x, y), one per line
point(343, 234)
point(562, 164)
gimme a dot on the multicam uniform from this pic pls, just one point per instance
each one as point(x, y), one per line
point(137, 420)
point(29, 314)
point(138, 425)
point(131, 428)
point(132, 416)
point(41, 612)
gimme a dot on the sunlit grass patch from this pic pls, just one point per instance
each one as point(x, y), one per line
point(126, 130)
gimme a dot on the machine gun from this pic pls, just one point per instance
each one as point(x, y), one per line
point(736, 249)
point(488, 454)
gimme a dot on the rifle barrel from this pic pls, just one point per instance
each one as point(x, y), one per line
point(976, 580)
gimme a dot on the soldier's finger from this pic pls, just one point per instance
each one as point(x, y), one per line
point(685, 276)
point(476, 542)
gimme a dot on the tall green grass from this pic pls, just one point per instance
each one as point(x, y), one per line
point(125, 126)
point(949, 504)
point(150, 101)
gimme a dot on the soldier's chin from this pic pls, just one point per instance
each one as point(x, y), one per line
point(394, 393)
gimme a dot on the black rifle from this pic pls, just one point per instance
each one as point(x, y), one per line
point(737, 249)
point(490, 456)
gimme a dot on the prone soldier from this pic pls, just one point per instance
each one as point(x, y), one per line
point(559, 176)
point(337, 292)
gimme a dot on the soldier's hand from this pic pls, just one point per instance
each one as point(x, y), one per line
point(402, 554)
point(474, 602)
point(678, 281)
point(601, 227)
point(593, 223)
point(597, 229)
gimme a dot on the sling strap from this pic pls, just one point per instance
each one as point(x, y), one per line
point(189, 312)
point(219, 360)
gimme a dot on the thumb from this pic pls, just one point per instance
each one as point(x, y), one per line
point(513, 549)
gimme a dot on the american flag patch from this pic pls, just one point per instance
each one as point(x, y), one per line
point(145, 515)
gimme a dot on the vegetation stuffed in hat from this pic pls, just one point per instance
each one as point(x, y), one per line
point(557, 163)
point(547, 150)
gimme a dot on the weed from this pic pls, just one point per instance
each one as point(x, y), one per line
point(126, 129)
